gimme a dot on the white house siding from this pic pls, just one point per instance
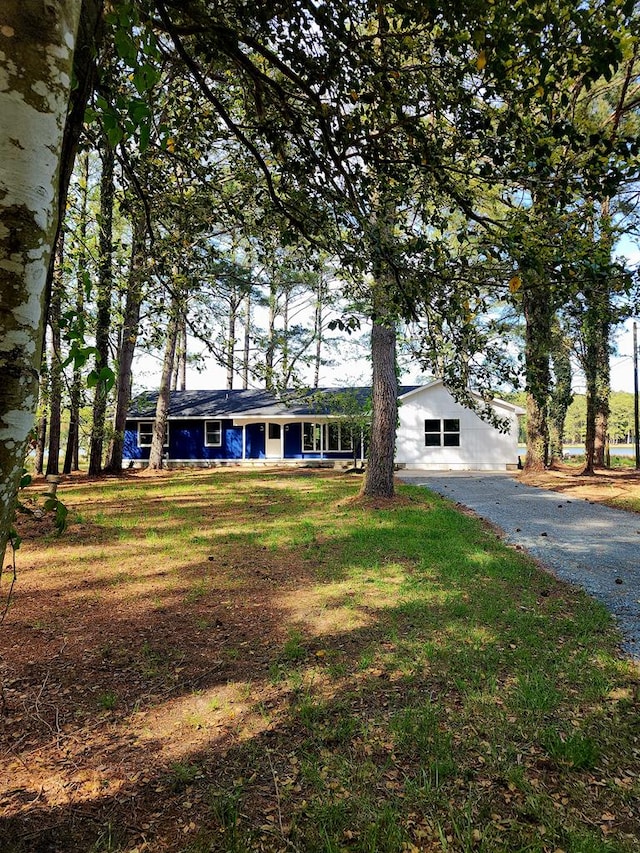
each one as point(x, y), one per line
point(482, 447)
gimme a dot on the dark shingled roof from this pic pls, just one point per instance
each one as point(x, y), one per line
point(207, 404)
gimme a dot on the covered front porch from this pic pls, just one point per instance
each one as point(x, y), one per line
point(290, 439)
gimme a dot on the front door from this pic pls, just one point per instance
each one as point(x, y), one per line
point(273, 447)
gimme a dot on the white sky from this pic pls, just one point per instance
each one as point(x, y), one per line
point(357, 371)
point(351, 366)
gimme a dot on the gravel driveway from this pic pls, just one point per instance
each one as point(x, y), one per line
point(587, 544)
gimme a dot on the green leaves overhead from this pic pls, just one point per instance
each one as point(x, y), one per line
point(448, 149)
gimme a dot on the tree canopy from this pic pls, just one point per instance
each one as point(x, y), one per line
point(449, 166)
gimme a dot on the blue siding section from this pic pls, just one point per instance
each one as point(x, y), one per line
point(131, 449)
point(293, 441)
point(186, 441)
point(255, 437)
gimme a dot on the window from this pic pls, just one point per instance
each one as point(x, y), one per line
point(311, 437)
point(329, 437)
point(338, 437)
point(442, 433)
point(274, 432)
point(432, 432)
point(213, 433)
point(145, 434)
point(451, 432)
point(332, 437)
point(346, 438)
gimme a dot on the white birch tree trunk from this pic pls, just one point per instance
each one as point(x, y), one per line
point(37, 41)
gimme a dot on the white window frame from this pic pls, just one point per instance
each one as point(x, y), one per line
point(441, 432)
point(208, 443)
point(317, 437)
point(149, 442)
point(342, 430)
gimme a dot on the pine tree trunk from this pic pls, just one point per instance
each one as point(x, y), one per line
point(72, 453)
point(537, 436)
point(318, 333)
point(103, 319)
point(182, 356)
point(55, 369)
point(179, 373)
point(286, 367)
point(378, 481)
point(597, 380)
point(164, 394)
point(596, 331)
point(231, 338)
point(269, 356)
point(561, 396)
point(247, 342)
point(538, 316)
point(130, 328)
point(71, 456)
point(43, 421)
point(36, 65)
point(600, 440)
point(603, 390)
point(174, 373)
point(602, 379)
point(590, 430)
point(41, 441)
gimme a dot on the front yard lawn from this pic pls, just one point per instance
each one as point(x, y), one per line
point(254, 660)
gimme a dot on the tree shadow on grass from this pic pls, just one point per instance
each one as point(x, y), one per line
point(317, 688)
point(392, 716)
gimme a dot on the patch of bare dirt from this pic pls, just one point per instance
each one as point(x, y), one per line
point(134, 669)
point(365, 502)
point(615, 487)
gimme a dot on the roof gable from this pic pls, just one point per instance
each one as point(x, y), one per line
point(437, 383)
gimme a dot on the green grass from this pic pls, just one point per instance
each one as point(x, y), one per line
point(108, 701)
point(426, 688)
point(293, 650)
point(183, 774)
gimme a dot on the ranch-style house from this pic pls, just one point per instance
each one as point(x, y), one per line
point(209, 428)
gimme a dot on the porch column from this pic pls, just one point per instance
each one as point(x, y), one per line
point(244, 441)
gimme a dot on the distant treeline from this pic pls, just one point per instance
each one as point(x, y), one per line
point(620, 419)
